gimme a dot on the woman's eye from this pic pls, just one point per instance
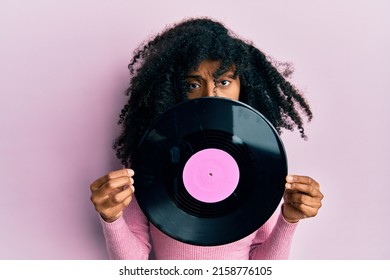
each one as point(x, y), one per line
point(192, 86)
point(224, 83)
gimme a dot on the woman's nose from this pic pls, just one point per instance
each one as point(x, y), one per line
point(210, 90)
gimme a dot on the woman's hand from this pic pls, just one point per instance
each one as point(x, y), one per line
point(112, 193)
point(302, 198)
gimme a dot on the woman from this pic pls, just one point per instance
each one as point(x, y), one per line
point(192, 59)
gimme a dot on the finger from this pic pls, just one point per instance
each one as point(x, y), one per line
point(305, 210)
point(111, 188)
point(121, 196)
point(114, 186)
point(306, 180)
point(306, 189)
point(301, 198)
point(111, 202)
point(113, 213)
point(110, 176)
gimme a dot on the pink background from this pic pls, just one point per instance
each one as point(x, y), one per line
point(63, 68)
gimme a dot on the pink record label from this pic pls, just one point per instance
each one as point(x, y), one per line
point(211, 175)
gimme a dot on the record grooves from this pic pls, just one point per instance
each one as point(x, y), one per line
point(219, 133)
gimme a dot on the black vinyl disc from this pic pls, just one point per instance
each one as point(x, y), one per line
point(210, 171)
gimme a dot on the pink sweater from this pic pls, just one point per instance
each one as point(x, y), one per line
point(133, 237)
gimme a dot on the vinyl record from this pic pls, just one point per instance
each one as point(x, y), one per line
point(210, 171)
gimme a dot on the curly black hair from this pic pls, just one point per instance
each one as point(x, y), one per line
point(158, 79)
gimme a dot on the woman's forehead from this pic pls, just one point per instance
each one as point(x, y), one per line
point(212, 66)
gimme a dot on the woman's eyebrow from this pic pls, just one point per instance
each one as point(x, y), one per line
point(230, 74)
point(194, 76)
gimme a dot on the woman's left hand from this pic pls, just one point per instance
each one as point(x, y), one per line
point(302, 198)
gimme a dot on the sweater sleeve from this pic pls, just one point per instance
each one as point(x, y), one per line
point(128, 237)
point(273, 240)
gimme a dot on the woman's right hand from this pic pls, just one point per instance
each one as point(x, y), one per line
point(112, 193)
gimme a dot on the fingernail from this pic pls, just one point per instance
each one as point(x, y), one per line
point(288, 186)
point(130, 172)
point(289, 178)
point(132, 188)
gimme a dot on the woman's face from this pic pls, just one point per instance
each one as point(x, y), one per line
point(201, 82)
